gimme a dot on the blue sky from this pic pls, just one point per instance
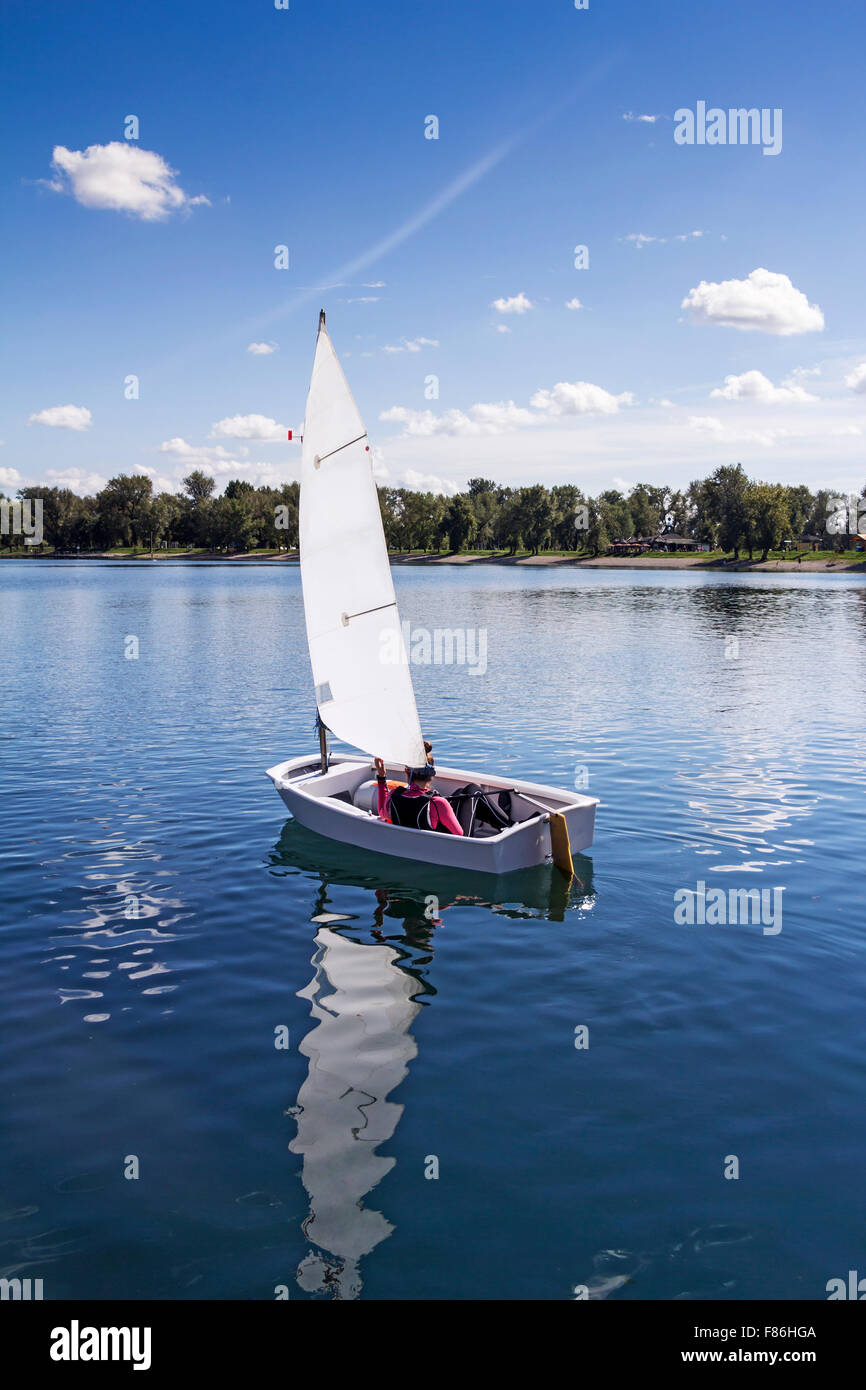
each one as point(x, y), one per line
point(306, 128)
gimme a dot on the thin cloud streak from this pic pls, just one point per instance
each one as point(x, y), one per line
point(402, 233)
point(437, 205)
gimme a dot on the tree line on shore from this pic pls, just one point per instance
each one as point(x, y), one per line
point(726, 511)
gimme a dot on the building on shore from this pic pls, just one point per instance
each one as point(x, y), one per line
point(673, 543)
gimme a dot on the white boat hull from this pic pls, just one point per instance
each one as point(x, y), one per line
point(313, 799)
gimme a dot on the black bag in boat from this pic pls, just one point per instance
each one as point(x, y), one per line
point(481, 813)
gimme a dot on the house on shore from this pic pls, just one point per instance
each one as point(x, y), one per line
point(669, 541)
point(634, 545)
point(673, 543)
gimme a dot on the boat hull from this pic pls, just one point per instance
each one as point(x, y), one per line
point(312, 798)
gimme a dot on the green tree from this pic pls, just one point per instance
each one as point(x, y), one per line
point(771, 516)
point(233, 522)
point(459, 523)
point(124, 506)
point(535, 516)
point(422, 513)
point(239, 487)
point(702, 523)
point(598, 533)
point(565, 499)
point(509, 524)
point(198, 487)
point(799, 502)
point(646, 505)
point(617, 514)
point(479, 487)
point(725, 496)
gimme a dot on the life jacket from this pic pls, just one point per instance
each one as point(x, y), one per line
point(412, 812)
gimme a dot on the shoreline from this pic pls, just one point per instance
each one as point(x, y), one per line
point(673, 562)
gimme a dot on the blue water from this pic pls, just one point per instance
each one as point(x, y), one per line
point(159, 930)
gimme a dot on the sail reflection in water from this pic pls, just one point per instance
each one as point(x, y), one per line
point(360, 1050)
point(368, 985)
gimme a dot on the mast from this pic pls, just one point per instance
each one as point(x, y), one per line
point(357, 652)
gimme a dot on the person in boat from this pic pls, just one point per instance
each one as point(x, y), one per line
point(416, 806)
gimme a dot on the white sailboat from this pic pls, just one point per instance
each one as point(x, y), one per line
point(368, 701)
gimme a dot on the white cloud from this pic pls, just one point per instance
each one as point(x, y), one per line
point(573, 304)
point(495, 417)
point(10, 477)
point(412, 345)
point(754, 386)
point(765, 302)
point(579, 398)
point(63, 417)
point(374, 285)
point(707, 424)
point(378, 464)
point(517, 304)
point(220, 463)
point(122, 177)
point(498, 416)
point(77, 480)
point(502, 328)
point(364, 299)
point(429, 482)
point(199, 453)
point(648, 441)
point(641, 239)
point(846, 431)
point(766, 438)
point(856, 380)
point(161, 482)
point(646, 120)
point(425, 423)
point(260, 427)
point(262, 349)
point(504, 417)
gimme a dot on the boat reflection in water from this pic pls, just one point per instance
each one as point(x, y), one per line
point(369, 982)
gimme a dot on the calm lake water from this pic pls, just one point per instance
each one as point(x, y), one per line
point(163, 920)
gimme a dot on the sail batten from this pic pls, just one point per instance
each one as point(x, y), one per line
point(360, 670)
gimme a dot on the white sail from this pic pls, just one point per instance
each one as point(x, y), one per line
point(363, 687)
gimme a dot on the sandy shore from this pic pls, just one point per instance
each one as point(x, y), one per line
point(666, 562)
point(662, 562)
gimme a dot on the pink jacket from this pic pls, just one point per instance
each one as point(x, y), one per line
point(441, 813)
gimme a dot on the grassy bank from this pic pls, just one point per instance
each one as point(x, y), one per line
point(812, 562)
